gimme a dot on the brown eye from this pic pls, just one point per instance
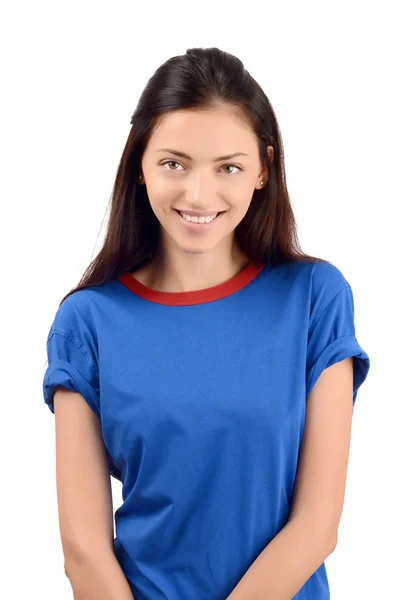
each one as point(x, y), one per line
point(175, 162)
point(166, 162)
point(232, 166)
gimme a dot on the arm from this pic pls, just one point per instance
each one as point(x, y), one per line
point(97, 577)
point(85, 503)
point(310, 534)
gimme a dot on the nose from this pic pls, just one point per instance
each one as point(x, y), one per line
point(200, 190)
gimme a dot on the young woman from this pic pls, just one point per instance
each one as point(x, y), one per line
point(204, 361)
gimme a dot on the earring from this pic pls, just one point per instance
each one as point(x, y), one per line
point(261, 182)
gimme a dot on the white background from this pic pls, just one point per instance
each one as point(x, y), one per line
point(71, 75)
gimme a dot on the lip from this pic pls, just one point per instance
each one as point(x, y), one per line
point(199, 227)
point(196, 213)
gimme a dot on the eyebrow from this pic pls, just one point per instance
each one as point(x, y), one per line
point(184, 155)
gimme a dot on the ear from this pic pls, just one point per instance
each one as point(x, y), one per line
point(265, 175)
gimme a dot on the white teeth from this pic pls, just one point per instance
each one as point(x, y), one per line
point(198, 219)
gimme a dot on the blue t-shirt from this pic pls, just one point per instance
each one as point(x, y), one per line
point(202, 397)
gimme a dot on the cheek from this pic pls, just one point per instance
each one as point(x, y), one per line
point(240, 202)
point(160, 201)
point(163, 195)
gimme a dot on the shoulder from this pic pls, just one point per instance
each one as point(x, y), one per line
point(327, 275)
point(76, 313)
point(317, 278)
point(326, 281)
point(318, 274)
point(314, 283)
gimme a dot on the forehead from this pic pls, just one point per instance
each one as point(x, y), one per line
point(195, 131)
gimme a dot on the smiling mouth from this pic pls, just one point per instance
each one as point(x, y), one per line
point(194, 216)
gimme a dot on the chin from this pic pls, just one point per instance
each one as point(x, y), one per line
point(195, 249)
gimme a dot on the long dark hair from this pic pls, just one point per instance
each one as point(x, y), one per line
point(199, 79)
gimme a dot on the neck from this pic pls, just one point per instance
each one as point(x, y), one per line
point(188, 272)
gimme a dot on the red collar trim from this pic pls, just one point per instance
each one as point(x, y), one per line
point(210, 294)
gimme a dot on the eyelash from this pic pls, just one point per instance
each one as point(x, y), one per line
point(178, 163)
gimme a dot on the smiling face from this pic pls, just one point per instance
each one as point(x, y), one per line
point(200, 181)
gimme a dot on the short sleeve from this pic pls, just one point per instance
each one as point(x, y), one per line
point(72, 353)
point(69, 365)
point(332, 338)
